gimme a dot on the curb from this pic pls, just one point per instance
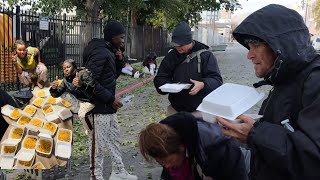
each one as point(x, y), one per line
point(133, 86)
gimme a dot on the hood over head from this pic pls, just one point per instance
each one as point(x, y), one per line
point(285, 32)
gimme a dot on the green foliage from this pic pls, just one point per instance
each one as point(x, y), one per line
point(316, 13)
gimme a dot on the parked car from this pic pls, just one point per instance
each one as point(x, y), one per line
point(316, 43)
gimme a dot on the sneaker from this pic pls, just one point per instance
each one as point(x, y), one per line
point(122, 176)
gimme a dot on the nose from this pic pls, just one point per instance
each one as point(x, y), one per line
point(250, 54)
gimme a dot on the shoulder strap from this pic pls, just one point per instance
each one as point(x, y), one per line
point(193, 55)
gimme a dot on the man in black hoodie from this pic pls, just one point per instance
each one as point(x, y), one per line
point(186, 64)
point(104, 59)
point(285, 143)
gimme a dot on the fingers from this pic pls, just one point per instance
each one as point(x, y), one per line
point(225, 123)
point(77, 75)
point(57, 78)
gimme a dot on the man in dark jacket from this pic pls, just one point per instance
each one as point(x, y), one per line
point(5, 99)
point(285, 143)
point(190, 148)
point(104, 59)
point(201, 71)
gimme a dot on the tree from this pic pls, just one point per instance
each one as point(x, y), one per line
point(316, 13)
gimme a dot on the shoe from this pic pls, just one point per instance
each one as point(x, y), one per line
point(122, 176)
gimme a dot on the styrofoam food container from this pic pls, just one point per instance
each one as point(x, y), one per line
point(7, 111)
point(57, 100)
point(44, 138)
point(25, 154)
point(64, 113)
point(64, 103)
point(230, 100)
point(52, 116)
point(63, 149)
point(30, 125)
point(61, 130)
point(45, 92)
point(6, 162)
point(48, 106)
point(22, 117)
point(20, 166)
point(174, 87)
point(43, 129)
point(34, 110)
point(4, 154)
point(36, 164)
point(24, 140)
point(41, 100)
point(12, 130)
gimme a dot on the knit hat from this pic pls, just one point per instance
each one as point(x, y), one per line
point(181, 34)
point(112, 29)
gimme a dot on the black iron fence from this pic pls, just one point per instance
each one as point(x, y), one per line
point(63, 37)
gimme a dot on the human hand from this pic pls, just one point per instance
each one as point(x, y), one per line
point(238, 130)
point(119, 55)
point(55, 83)
point(13, 57)
point(76, 81)
point(116, 104)
point(198, 85)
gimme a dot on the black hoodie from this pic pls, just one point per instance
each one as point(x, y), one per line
point(278, 153)
point(172, 70)
point(100, 61)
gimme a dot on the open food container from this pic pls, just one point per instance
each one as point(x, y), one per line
point(24, 120)
point(64, 135)
point(50, 126)
point(36, 122)
point(22, 164)
point(30, 110)
point(15, 135)
point(42, 93)
point(52, 116)
point(30, 142)
point(47, 109)
point(52, 100)
point(230, 100)
point(8, 150)
point(63, 143)
point(38, 165)
point(64, 114)
point(65, 103)
point(39, 102)
point(6, 162)
point(44, 145)
point(10, 111)
point(174, 87)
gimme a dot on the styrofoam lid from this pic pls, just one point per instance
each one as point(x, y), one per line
point(230, 100)
point(174, 87)
point(6, 162)
point(52, 116)
point(64, 113)
point(7, 110)
point(25, 154)
point(63, 150)
point(32, 127)
point(11, 142)
point(45, 133)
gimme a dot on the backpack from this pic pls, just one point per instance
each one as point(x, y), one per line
point(193, 55)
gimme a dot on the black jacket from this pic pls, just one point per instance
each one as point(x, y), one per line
point(83, 93)
point(100, 60)
point(172, 70)
point(5, 99)
point(278, 153)
point(219, 157)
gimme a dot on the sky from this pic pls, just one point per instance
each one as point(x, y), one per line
point(253, 5)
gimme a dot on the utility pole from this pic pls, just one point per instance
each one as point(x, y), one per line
point(306, 12)
point(213, 21)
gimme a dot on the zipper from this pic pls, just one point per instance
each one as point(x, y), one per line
point(271, 94)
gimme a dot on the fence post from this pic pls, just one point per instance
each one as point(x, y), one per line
point(65, 35)
point(101, 28)
point(18, 33)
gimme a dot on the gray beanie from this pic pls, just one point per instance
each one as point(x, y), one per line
point(181, 34)
point(112, 29)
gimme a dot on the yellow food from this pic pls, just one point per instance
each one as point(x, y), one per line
point(44, 146)
point(26, 163)
point(24, 120)
point(9, 149)
point(50, 126)
point(47, 109)
point(30, 110)
point(30, 143)
point(41, 94)
point(15, 114)
point(38, 166)
point(64, 135)
point(17, 133)
point(65, 103)
point(60, 81)
point(38, 102)
point(36, 122)
point(52, 100)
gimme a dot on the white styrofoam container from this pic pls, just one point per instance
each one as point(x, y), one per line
point(6, 162)
point(12, 130)
point(65, 104)
point(44, 138)
point(24, 140)
point(48, 106)
point(33, 120)
point(25, 154)
point(20, 166)
point(64, 113)
point(34, 110)
point(230, 100)
point(41, 100)
point(52, 116)
point(38, 163)
point(7, 111)
point(174, 87)
point(63, 149)
point(24, 116)
point(45, 91)
point(3, 154)
point(43, 130)
point(63, 129)
point(57, 100)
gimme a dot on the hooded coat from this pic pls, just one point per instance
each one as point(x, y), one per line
point(100, 60)
point(278, 153)
point(219, 157)
point(172, 70)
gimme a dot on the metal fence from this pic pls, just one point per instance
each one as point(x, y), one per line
point(63, 37)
